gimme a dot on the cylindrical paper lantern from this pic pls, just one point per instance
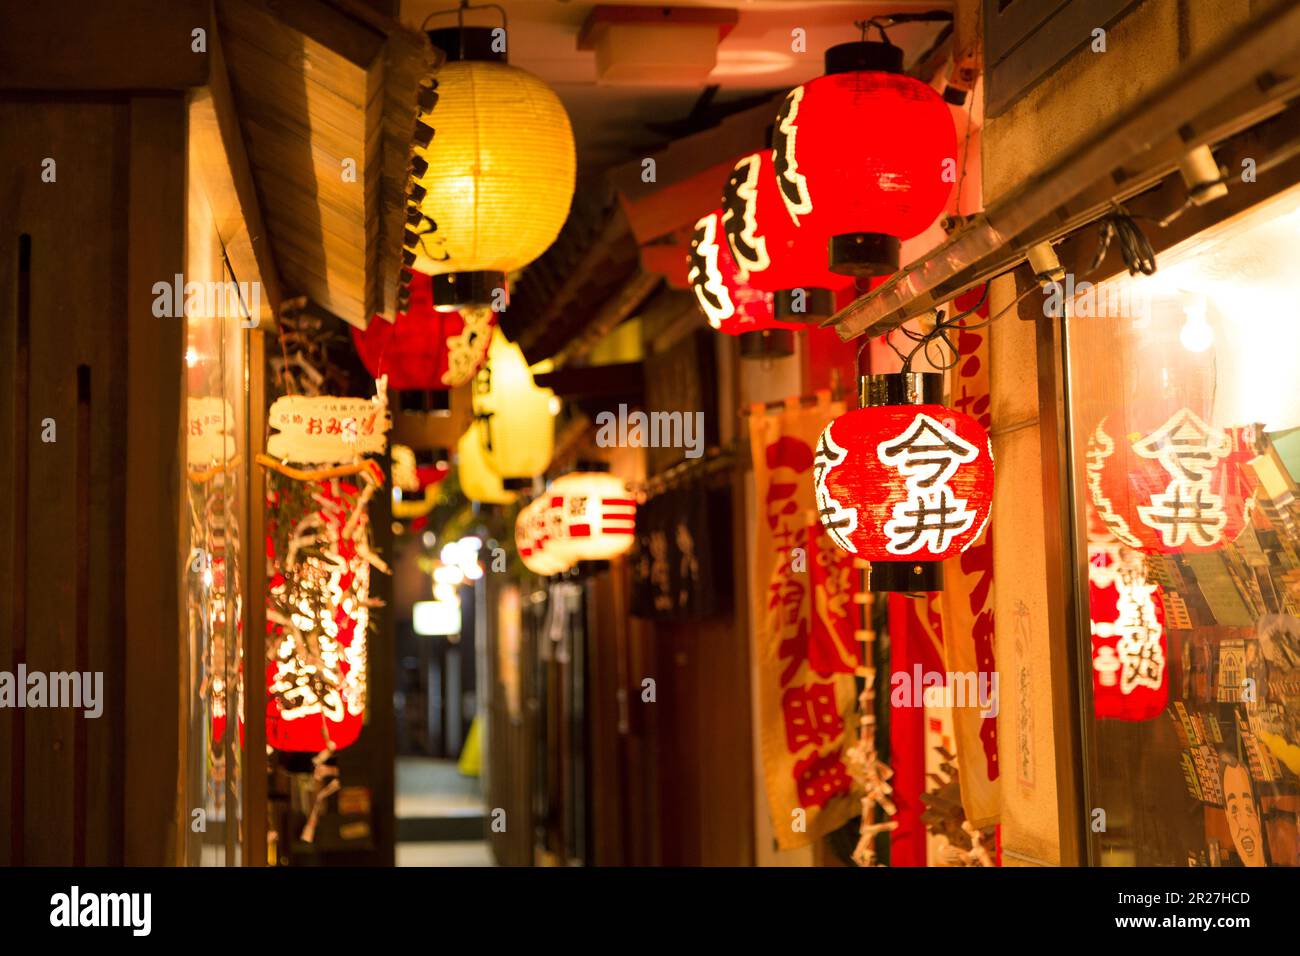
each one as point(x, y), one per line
point(597, 516)
point(478, 482)
point(864, 157)
point(731, 306)
point(494, 171)
point(770, 252)
point(1171, 486)
point(904, 482)
point(516, 427)
point(534, 527)
point(423, 349)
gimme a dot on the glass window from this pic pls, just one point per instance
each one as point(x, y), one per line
point(1184, 404)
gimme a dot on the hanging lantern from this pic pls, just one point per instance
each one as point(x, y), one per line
point(770, 252)
point(1130, 651)
point(516, 424)
point(534, 527)
point(597, 516)
point(731, 306)
point(904, 482)
point(1177, 487)
point(493, 171)
point(864, 157)
point(426, 350)
point(478, 482)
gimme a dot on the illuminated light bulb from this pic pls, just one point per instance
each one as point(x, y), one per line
point(191, 357)
point(1196, 334)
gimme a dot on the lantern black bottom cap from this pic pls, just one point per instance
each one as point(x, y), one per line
point(767, 344)
point(458, 290)
point(435, 401)
point(516, 484)
point(905, 576)
point(877, 56)
point(862, 254)
point(803, 305)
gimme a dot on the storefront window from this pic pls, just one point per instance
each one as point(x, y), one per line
point(1185, 421)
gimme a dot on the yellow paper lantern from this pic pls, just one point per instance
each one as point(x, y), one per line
point(597, 517)
point(478, 481)
point(495, 179)
point(517, 429)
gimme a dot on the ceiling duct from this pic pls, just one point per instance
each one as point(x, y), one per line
point(655, 46)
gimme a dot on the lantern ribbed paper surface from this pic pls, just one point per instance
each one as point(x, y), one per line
point(534, 528)
point(426, 349)
point(771, 253)
point(904, 482)
point(478, 482)
point(862, 154)
point(501, 169)
point(1175, 486)
point(516, 427)
point(597, 517)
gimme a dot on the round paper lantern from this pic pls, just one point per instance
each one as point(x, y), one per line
point(732, 306)
point(534, 526)
point(494, 171)
point(770, 252)
point(516, 427)
point(1171, 485)
point(864, 157)
point(1130, 650)
point(904, 482)
point(597, 517)
point(478, 482)
point(423, 349)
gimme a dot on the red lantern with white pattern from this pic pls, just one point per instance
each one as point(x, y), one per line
point(771, 253)
point(904, 481)
point(597, 516)
point(423, 349)
point(1172, 484)
point(865, 157)
point(731, 305)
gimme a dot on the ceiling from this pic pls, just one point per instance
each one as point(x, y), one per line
point(613, 124)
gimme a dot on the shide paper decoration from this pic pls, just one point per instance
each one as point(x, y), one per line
point(904, 482)
point(597, 517)
point(1175, 487)
point(731, 305)
point(864, 157)
point(516, 427)
point(319, 557)
point(772, 254)
point(425, 349)
point(493, 170)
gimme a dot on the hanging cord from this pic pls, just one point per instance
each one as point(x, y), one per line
point(460, 17)
point(1133, 243)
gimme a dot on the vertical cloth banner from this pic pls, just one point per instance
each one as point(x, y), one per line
point(967, 609)
point(803, 632)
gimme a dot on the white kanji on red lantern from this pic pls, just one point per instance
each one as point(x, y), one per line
point(927, 455)
point(1138, 659)
point(739, 221)
point(705, 274)
point(839, 522)
point(1188, 510)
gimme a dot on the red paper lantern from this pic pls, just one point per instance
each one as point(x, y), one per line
point(1130, 649)
point(424, 349)
point(731, 305)
point(773, 255)
point(864, 157)
point(1171, 486)
point(904, 482)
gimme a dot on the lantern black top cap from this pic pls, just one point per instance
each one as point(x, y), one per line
point(879, 56)
point(590, 465)
point(469, 43)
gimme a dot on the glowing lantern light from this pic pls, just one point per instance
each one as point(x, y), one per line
point(1127, 616)
point(731, 306)
point(1176, 488)
point(771, 253)
point(423, 349)
point(436, 618)
point(597, 517)
point(533, 530)
point(903, 481)
point(516, 424)
point(478, 482)
point(864, 157)
point(494, 171)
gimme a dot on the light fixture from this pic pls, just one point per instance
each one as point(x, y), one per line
point(903, 481)
point(515, 425)
point(493, 171)
point(597, 516)
point(436, 618)
point(1196, 334)
point(478, 482)
point(865, 156)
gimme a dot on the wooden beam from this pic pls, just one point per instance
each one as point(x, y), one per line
point(621, 379)
point(91, 45)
